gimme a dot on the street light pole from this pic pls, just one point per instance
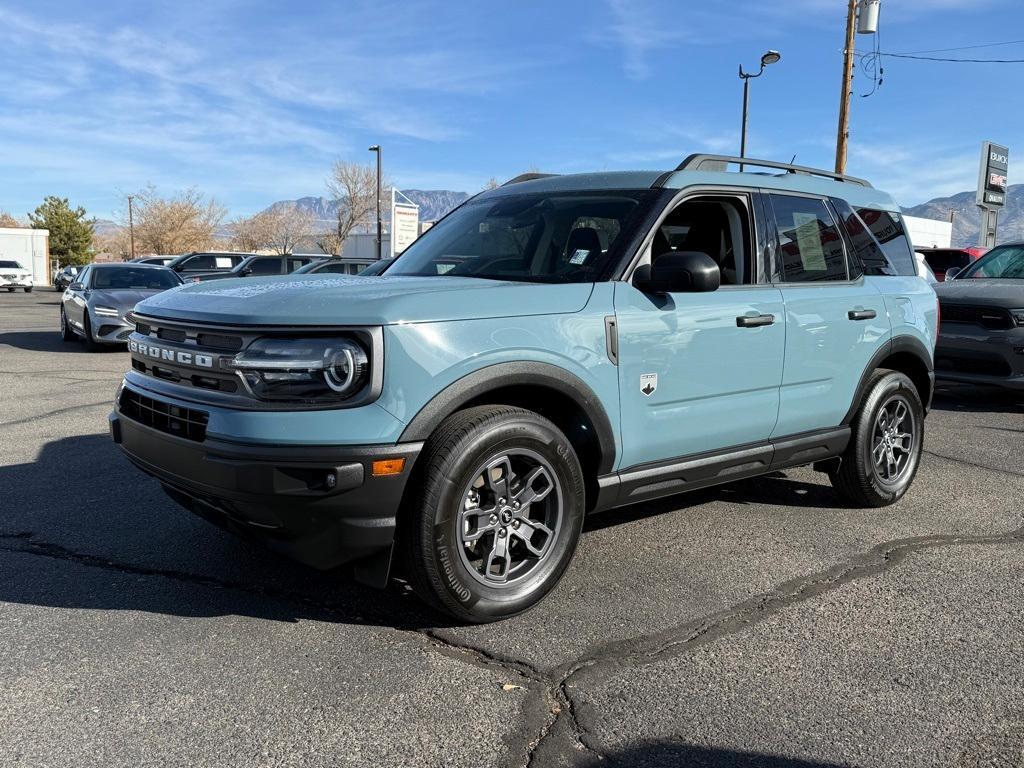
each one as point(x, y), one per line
point(770, 57)
point(131, 224)
point(380, 228)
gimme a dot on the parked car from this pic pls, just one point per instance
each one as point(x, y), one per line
point(376, 268)
point(923, 269)
point(981, 340)
point(261, 266)
point(96, 306)
point(942, 260)
point(163, 261)
point(338, 265)
point(14, 276)
point(65, 276)
point(202, 264)
point(554, 347)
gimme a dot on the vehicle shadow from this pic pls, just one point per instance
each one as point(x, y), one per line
point(50, 341)
point(668, 754)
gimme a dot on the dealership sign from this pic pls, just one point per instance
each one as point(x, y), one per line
point(995, 162)
point(405, 223)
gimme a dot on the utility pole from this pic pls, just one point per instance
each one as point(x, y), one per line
point(131, 224)
point(380, 227)
point(844, 94)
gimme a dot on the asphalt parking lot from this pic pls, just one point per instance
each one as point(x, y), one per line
point(757, 624)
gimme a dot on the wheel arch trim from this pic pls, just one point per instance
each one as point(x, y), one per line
point(902, 344)
point(504, 375)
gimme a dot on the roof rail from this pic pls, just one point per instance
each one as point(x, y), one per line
point(697, 163)
point(528, 177)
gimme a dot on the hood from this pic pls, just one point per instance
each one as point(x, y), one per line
point(123, 299)
point(341, 300)
point(1008, 294)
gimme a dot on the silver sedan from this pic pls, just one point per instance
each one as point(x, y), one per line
point(94, 307)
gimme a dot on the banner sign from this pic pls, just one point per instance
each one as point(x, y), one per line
point(405, 224)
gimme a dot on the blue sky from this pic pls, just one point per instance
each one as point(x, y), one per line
point(251, 102)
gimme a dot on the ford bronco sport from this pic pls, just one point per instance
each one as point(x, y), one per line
point(554, 347)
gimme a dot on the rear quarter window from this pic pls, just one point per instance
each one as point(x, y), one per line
point(887, 229)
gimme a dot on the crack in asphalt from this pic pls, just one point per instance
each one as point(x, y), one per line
point(985, 467)
point(551, 727)
point(57, 412)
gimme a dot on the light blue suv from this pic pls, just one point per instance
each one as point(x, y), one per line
point(555, 347)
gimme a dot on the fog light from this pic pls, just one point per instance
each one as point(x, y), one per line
point(382, 467)
point(331, 480)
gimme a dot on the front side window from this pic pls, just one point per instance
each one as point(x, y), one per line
point(810, 246)
point(133, 278)
point(887, 227)
point(1005, 262)
point(10, 265)
point(558, 237)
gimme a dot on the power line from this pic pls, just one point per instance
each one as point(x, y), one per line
point(939, 58)
point(964, 47)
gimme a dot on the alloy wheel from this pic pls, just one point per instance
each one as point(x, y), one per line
point(893, 439)
point(510, 517)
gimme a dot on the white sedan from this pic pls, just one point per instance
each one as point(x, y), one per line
point(14, 276)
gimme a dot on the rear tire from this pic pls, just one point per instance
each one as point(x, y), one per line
point(882, 458)
point(497, 515)
point(28, 290)
point(10, 290)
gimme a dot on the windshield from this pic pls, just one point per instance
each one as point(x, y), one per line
point(1005, 262)
point(10, 265)
point(565, 237)
point(134, 279)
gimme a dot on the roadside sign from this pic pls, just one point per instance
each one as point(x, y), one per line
point(405, 224)
point(992, 183)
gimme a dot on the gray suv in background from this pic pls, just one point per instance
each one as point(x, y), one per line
point(981, 340)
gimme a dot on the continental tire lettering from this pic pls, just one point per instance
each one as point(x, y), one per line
point(460, 591)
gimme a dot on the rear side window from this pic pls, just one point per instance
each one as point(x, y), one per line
point(869, 257)
point(810, 246)
point(887, 228)
point(940, 261)
point(265, 266)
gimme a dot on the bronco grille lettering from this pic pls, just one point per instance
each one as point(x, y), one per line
point(171, 355)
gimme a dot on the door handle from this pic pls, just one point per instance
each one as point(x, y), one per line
point(862, 314)
point(754, 321)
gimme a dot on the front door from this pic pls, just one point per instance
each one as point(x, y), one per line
point(700, 372)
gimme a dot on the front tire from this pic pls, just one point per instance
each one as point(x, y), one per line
point(882, 458)
point(28, 290)
point(90, 342)
point(497, 516)
point(66, 334)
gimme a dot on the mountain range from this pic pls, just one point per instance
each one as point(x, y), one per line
point(967, 215)
point(435, 203)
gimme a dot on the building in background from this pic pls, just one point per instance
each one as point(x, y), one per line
point(929, 233)
point(30, 248)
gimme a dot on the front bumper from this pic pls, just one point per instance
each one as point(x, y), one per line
point(107, 329)
point(970, 354)
point(15, 281)
point(278, 494)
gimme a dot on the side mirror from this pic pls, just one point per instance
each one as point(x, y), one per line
point(679, 272)
point(75, 286)
point(953, 272)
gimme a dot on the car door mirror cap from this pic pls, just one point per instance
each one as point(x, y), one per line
point(679, 272)
point(75, 286)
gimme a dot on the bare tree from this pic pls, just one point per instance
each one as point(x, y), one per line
point(249, 233)
point(185, 222)
point(115, 241)
point(329, 242)
point(353, 188)
point(492, 183)
point(286, 226)
point(6, 220)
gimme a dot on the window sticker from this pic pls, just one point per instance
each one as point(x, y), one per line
point(223, 262)
point(808, 238)
point(580, 256)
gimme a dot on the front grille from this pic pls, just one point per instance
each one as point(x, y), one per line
point(981, 365)
point(993, 318)
point(123, 335)
point(171, 419)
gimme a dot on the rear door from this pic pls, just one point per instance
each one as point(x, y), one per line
point(835, 319)
point(266, 266)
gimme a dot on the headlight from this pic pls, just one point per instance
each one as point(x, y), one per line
point(106, 311)
point(1018, 316)
point(303, 370)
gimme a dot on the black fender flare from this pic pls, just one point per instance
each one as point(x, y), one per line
point(501, 375)
point(897, 344)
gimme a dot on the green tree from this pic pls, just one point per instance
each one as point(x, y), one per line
point(70, 231)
